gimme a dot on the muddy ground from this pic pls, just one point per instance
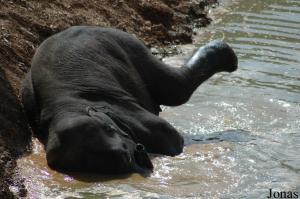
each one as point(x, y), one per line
point(24, 24)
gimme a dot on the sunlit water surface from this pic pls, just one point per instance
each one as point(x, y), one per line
point(259, 104)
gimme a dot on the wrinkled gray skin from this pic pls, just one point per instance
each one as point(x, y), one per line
point(92, 97)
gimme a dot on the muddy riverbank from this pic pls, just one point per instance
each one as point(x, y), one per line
point(25, 24)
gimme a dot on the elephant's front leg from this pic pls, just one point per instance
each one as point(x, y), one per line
point(157, 135)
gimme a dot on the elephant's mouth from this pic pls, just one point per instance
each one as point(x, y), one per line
point(142, 162)
point(139, 159)
point(142, 159)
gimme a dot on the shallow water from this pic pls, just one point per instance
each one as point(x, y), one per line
point(259, 104)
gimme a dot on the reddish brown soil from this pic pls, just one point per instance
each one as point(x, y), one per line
point(24, 24)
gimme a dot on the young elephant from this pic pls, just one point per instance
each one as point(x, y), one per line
point(92, 97)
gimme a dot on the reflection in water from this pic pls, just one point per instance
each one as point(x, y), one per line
point(262, 98)
point(201, 170)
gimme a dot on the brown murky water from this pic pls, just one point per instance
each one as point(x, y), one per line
point(262, 98)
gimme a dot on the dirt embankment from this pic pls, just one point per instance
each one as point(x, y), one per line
point(24, 24)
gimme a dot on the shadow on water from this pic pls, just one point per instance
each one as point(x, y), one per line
point(223, 136)
point(94, 177)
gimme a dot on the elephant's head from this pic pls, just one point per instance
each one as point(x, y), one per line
point(95, 143)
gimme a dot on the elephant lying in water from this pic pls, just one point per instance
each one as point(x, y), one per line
point(93, 95)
